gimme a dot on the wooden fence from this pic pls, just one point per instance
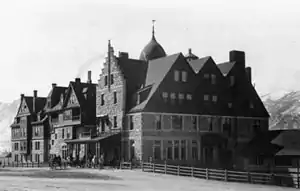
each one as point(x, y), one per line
point(23, 164)
point(279, 179)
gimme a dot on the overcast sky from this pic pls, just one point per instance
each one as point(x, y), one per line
point(42, 42)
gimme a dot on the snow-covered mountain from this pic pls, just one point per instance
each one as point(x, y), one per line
point(7, 114)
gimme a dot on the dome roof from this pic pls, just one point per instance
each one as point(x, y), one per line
point(152, 51)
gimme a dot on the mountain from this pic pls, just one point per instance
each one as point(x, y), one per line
point(7, 114)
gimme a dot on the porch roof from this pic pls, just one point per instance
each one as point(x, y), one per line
point(288, 152)
point(96, 139)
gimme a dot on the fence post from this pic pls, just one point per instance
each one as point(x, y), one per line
point(142, 165)
point(206, 172)
point(130, 165)
point(32, 164)
point(226, 175)
point(249, 176)
point(192, 171)
point(178, 170)
point(153, 167)
point(165, 167)
point(298, 182)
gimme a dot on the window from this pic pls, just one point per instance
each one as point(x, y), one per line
point(63, 133)
point(177, 122)
point(55, 136)
point(131, 125)
point(115, 97)
point(184, 76)
point(251, 105)
point(173, 97)
point(105, 81)
point(231, 80)
point(176, 150)
point(206, 76)
point(188, 96)
point(210, 124)
point(37, 145)
point(165, 96)
point(111, 79)
point(194, 150)
point(157, 150)
point(132, 149)
point(227, 126)
point(115, 122)
point(68, 133)
point(158, 122)
point(138, 99)
point(213, 79)
point(183, 150)
point(206, 97)
point(37, 158)
point(194, 122)
point(169, 150)
point(52, 142)
point(215, 98)
point(180, 98)
point(102, 99)
point(64, 152)
point(176, 75)
point(256, 126)
point(229, 105)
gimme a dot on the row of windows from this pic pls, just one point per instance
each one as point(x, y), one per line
point(173, 96)
point(106, 80)
point(19, 132)
point(175, 150)
point(180, 76)
point(29, 158)
point(114, 101)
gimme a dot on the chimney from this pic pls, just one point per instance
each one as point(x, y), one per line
point(237, 56)
point(54, 85)
point(34, 100)
point(22, 96)
point(77, 80)
point(123, 55)
point(89, 78)
point(190, 51)
point(249, 73)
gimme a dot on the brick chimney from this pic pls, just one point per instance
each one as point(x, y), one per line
point(123, 55)
point(54, 85)
point(238, 57)
point(22, 96)
point(89, 78)
point(34, 100)
point(77, 80)
point(249, 73)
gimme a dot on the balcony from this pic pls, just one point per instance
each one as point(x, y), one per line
point(54, 120)
point(15, 124)
point(76, 118)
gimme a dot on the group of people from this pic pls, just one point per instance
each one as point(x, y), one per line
point(55, 161)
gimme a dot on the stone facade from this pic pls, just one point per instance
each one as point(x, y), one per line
point(57, 141)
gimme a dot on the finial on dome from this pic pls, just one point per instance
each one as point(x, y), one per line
point(153, 31)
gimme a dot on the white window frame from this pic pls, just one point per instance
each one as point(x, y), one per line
point(184, 76)
point(176, 75)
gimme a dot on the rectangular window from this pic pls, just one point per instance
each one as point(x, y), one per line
point(229, 105)
point(180, 98)
point(194, 150)
point(184, 76)
point(214, 98)
point(158, 122)
point(189, 96)
point(206, 97)
point(194, 122)
point(170, 150)
point(183, 150)
point(52, 142)
point(176, 150)
point(165, 96)
point(55, 136)
point(176, 75)
point(206, 76)
point(157, 150)
point(210, 124)
point(213, 79)
point(177, 122)
point(111, 79)
point(231, 80)
point(68, 133)
point(131, 125)
point(115, 122)
point(251, 105)
point(63, 133)
point(173, 98)
point(105, 81)
point(102, 99)
point(115, 97)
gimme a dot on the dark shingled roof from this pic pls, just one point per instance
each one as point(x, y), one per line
point(198, 64)
point(225, 67)
point(39, 103)
point(54, 96)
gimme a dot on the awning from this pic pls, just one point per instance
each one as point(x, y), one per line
point(288, 152)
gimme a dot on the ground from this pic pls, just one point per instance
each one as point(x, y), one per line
point(123, 180)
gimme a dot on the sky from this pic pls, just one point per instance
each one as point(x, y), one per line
point(44, 42)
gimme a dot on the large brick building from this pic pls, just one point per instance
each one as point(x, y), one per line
point(175, 108)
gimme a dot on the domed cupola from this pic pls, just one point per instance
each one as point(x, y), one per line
point(153, 49)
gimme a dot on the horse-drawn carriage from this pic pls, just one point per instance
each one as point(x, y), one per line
point(55, 162)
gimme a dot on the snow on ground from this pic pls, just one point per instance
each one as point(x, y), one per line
point(121, 180)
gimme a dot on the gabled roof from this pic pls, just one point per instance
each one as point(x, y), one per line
point(54, 95)
point(157, 70)
point(29, 102)
point(226, 67)
point(198, 64)
point(40, 103)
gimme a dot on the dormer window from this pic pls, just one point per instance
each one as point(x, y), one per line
point(165, 96)
point(184, 76)
point(188, 96)
point(176, 75)
point(206, 97)
point(251, 105)
point(229, 105)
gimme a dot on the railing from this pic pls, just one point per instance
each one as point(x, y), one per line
point(280, 179)
point(76, 118)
